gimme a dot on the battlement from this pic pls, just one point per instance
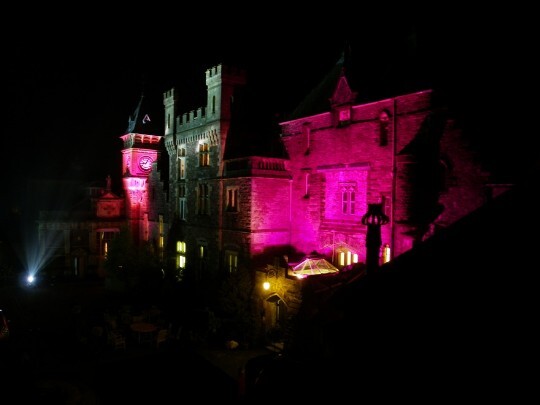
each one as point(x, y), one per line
point(257, 166)
point(223, 70)
point(169, 95)
point(194, 117)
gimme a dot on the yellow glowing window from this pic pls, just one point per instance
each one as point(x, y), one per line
point(182, 168)
point(231, 260)
point(204, 155)
point(346, 257)
point(232, 199)
point(181, 254)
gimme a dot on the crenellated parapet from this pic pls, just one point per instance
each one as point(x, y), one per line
point(169, 96)
point(257, 166)
point(192, 119)
point(219, 71)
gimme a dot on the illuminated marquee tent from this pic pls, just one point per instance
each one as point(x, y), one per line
point(313, 265)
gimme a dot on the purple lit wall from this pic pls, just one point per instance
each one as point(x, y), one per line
point(270, 213)
point(326, 159)
point(400, 152)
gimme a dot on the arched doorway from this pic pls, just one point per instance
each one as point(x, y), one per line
point(275, 315)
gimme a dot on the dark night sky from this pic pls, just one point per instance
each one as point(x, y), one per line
point(71, 87)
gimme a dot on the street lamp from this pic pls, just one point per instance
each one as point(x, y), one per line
point(373, 219)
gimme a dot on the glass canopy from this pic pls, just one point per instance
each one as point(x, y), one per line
point(312, 266)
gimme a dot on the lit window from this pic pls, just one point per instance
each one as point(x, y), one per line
point(231, 261)
point(232, 199)
point(202, 262)
point(204, 155)
point(103, 241)
point(161, 236)
point(346, 257)
point(387, 253)
point(182, 168)
point(182, 162)
point(181, 255)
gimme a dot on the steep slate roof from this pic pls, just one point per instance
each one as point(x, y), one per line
point(252, 131)
point(143, 120)
point(333, 89)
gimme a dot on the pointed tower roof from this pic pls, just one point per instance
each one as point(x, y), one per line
point(142, 121)
point(333, 90)
point(342, 93)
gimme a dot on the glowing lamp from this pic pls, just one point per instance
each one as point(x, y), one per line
point(386, 253)
point(269, 274)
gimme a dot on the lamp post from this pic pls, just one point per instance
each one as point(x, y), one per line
point(373, 219)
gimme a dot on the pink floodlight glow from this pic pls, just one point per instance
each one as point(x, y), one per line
point(136, 184)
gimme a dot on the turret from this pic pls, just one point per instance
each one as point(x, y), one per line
point(169, 101)
point(221, 82)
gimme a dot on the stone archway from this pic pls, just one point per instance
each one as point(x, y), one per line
point(275, 316)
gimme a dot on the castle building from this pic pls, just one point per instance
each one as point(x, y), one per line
point(214, 195)
point(403, 152)
point(233, 204)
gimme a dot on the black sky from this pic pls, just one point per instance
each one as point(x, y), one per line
point(70, 87)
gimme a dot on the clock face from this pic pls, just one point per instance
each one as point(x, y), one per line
point(145, 163)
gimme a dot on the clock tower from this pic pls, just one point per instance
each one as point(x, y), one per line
point(141, 149)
